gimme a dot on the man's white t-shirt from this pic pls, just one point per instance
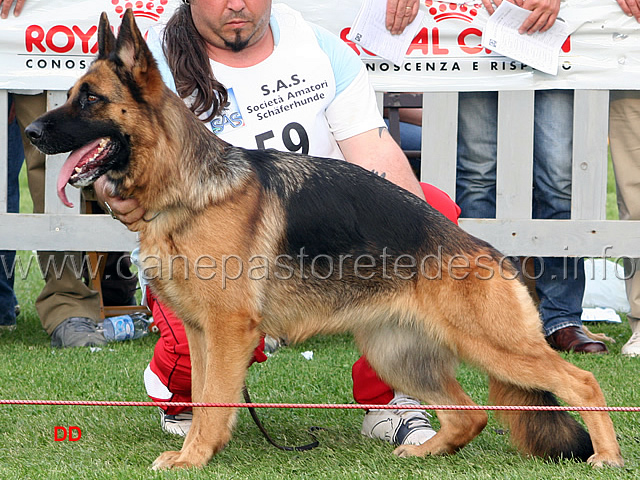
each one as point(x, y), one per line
point(311, 92)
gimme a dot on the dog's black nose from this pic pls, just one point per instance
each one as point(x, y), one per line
point(34, 131)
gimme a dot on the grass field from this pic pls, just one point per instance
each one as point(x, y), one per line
point(121, 443)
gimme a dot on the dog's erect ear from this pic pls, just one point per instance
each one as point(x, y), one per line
point(131, 47)
point(106, 38)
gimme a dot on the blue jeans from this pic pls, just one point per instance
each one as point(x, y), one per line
point(559, 281)
point(15, 157)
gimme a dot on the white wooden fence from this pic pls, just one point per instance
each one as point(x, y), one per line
point(588, 233)
point(59, 228)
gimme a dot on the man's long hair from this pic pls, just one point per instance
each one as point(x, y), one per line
point(188, 60)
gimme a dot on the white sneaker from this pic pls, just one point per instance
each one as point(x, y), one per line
point(399, 427)
point(632, 347)
point(272, 344)
point(176, 424)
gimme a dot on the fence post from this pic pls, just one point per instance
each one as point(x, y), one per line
point(590, 153)
point(439, 140)
point(514, 175)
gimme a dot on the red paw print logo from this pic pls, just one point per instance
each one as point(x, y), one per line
point(444, 11)
point(148, 9)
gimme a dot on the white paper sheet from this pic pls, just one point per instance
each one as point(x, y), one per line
point(369, 31)
point(539, 50)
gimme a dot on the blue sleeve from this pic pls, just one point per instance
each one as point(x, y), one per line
point(344, 61)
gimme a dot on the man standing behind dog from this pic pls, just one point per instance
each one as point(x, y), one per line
point(291, 86)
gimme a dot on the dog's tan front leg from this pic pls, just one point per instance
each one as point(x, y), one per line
point(224, 351)
point(197, 350)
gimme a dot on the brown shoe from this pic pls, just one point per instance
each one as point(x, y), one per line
point(573, 339)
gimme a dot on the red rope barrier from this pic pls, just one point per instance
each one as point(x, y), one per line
point(348, 406)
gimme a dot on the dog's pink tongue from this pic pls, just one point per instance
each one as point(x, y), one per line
point(68, 169)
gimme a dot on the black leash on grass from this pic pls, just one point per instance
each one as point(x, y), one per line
point(300, 448)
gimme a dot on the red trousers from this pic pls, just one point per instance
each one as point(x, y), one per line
point(171, 363)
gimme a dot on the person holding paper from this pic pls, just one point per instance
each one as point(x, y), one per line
point(542, 17)
point(400, 13)
point(560, 282)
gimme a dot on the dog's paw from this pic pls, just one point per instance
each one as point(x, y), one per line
point(165, 461)
point(406, 451)
point(605, 460)
point(434, 446)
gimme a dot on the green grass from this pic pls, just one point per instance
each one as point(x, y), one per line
point(121, 443)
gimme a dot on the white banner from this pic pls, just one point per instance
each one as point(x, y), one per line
point(53, 41)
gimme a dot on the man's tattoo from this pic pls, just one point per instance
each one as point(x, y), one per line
point(381, 174)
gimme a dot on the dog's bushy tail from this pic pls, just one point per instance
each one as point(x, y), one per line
point(547, 434)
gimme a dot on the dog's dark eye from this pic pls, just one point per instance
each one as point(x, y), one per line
point(91, 98)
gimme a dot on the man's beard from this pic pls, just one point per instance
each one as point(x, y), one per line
point(238, 44)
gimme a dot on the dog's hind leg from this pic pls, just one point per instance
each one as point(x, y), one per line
point(411, 362)
point(220, 354)
point(506, 341)
point(532, 374)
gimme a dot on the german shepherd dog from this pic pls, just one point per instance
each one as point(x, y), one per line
point(340, 250)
